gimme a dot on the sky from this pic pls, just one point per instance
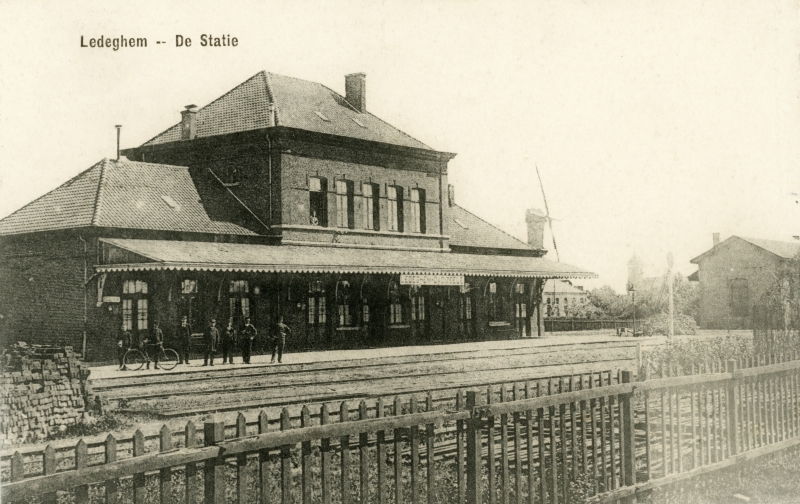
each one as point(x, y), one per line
point(653, 124)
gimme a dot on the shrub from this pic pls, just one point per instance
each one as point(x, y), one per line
point(659, 325)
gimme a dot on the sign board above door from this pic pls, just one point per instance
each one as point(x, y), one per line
point(432, 279)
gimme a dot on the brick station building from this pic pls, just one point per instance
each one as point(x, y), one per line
point(280, 198)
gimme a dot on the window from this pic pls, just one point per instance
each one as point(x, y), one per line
point(740, 297)
point(135, 309)
point(344, 204)
point(365, 311)
point(395, 306)
point(521, 310)
point(417, 304)
point(465, 312)
point(495, 303)
point(238, 301)
point(371, 206)
point(395, 198)
point(317, 303)
point(344, 303)
point(418, 210)
point(318, 201)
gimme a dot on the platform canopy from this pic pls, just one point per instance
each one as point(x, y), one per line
point(154, 255)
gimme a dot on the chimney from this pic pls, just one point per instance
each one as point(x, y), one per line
point(451, 194)
point(189, 122)
point(271, 115)
point(715, 237)
point(536, 221)
point(355, 89)
point(119, 128)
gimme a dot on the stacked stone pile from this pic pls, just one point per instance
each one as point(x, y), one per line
point(44, 389)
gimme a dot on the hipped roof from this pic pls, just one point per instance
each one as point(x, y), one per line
point(121, 194)
point(208, 256)
point(297, 103)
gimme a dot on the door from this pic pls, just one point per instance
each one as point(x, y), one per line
point(135, 310)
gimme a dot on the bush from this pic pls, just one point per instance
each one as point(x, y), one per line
point(659, 325)
point(691, 352)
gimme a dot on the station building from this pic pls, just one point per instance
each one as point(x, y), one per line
point(282, 198)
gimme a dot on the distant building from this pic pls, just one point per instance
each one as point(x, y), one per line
point(560, 297)
point(734, 275)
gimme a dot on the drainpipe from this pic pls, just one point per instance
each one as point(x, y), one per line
point(441, 212)
point(85, 298)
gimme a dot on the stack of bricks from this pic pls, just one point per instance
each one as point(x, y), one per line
point(45, 389)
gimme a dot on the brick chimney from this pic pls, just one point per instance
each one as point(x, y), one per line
point(715, 237)
point(536, 221)
point(189, 122)
point(355, 88)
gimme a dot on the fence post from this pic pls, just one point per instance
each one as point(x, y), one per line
point(733, 413)
point(474, 473)
point(629, 448)
point(213, 433)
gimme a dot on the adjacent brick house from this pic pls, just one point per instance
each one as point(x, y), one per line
point(280, 198)
point(734, 276)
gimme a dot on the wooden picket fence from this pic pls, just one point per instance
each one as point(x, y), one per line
point(546, 441)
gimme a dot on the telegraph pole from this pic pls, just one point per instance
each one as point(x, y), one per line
point(670, 263)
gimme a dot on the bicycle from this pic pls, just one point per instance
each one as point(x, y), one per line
point(134, 358)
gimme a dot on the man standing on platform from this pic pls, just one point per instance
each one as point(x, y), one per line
point(228, 343)
point(249, 333)
point(279, 340)
point(211, 341)
point(184, 337)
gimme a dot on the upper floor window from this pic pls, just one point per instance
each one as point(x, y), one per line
point(344, 204)
point(318, 201)
point(394, 196)
point(418, 210)
point(371, 206)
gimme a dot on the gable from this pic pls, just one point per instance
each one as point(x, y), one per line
point(783, 250)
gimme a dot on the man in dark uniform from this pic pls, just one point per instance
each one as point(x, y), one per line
point(228, 342)
point(154, 345)
point(184, 337)
point(123, 344)
point(210, 341)
point(279, 340)
point(249, 333)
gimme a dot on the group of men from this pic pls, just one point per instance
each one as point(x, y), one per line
point(214, 339)
point(226, 340)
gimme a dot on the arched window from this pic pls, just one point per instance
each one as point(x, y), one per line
point(317, 303)
point(740, 297)
point(344, 303)
point(395, 305)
